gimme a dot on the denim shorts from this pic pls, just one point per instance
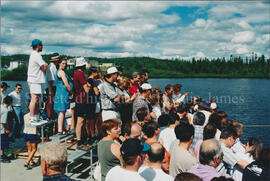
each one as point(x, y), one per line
point(32, 138)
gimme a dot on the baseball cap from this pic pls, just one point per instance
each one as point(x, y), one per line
point(36, 42)
point(204, 105)
point(80, 62)
point(4, 84)
point(146, 86)
point(133, 147)
point(112, 70)
point(55, 57)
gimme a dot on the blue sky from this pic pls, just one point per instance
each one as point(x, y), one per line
point(120, 29)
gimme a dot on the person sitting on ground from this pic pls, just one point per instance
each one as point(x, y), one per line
point(4, 128)
point(141, 100)
point(260, 168)
point(151, 130)
point(185, 176)
point(31, 139)
point(209, 132)
point(108, 149)
point(210, 158)
point(198, 122)
point(252, 151)
point(182, 157)
point(153, 170)
point(54, 162)
point(230, 159)
point(143, 115)
point(132, 157)
point(167, 135)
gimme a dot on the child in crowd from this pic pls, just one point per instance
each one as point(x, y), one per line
point(31, 139)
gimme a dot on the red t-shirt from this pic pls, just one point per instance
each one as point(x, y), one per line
point(133, 89)
point(79, 80)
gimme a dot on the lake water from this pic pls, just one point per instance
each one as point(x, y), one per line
point(244, 100)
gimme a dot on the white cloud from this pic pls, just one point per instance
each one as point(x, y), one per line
point(243, 24)
point(200, 55)
point(200, 22)
point(242, 50)
point(243, 37)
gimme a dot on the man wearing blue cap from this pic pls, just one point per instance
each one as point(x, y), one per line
point(36, 79)
point(51, 86)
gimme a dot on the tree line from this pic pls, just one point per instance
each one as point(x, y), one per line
point(234, 67)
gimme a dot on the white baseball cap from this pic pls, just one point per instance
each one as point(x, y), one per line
point(146, 86)
point(213, 105)
point(80, 62)
point(112, 70)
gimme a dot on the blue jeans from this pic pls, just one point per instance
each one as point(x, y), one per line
point(17, 128)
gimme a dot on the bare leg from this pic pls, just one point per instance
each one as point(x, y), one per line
point(34, 149)
point(60, 121)
point(73, 118)
point(50, 105)
point(92, 128)
point(29, 150)
point(98, 123)
point(79, 127)
point(87, 126)
point(34, 104)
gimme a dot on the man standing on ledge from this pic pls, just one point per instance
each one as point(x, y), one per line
point(36, 79)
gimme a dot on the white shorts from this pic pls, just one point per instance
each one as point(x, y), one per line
point(36, 88)
point(110, 115)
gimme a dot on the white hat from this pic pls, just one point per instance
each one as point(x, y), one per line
point(146, 86)
point(80, 62)
point(112, 70)
point(213, 105)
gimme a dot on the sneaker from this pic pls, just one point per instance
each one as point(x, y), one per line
point(37, 122)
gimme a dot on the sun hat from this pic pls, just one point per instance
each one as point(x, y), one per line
point(112, 70)
point(55, 57)
point(146, 86)
point(36, 42)
point(133, 147)
point(80, 62)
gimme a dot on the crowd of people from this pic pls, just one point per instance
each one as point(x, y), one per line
point(142, 132)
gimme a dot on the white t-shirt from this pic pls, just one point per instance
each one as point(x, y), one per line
point(167, 136)
point(237, 171)
point(16, 98)
point(119, 174)
point(3, 95)
point(50, 73)
point(150, 174)
point(34, 73)
point(4, 116)
point(157, 111)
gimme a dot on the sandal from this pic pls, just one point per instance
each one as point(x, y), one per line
point(28, 166)
point(34, 164)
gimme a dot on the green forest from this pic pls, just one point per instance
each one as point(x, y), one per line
point(234, 67)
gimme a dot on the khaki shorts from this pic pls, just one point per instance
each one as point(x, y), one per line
point(36, 88)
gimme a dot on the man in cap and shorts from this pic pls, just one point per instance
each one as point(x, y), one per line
point(110, 95)
point(36, 79)
point(51, 86)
